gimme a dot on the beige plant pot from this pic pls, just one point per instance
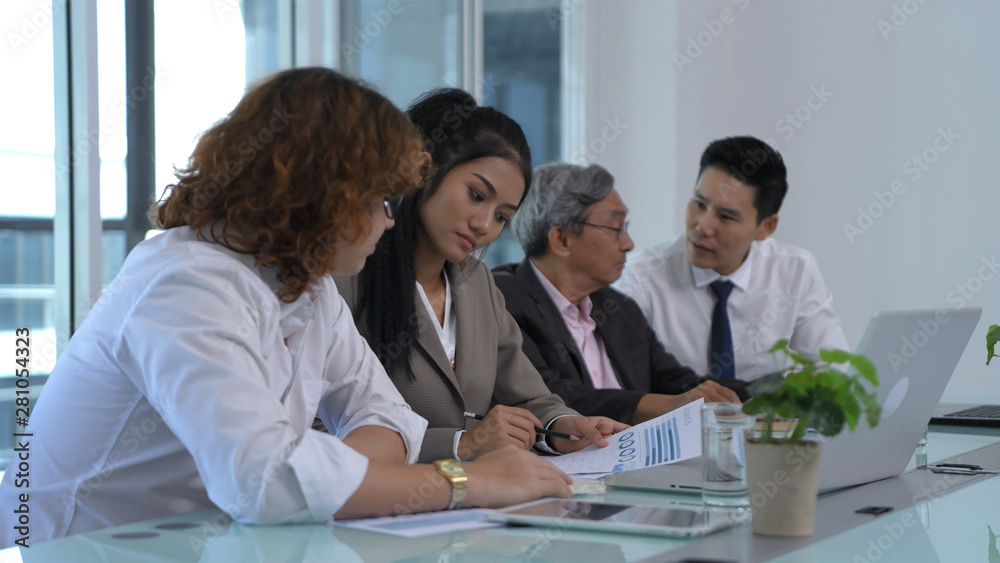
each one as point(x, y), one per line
point(782, 483)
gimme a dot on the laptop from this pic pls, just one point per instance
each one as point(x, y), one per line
point(915, 352)
point(959, 414)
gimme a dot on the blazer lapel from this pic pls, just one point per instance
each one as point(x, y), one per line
point(464, 302)
point(547, 310)
point(427, 339)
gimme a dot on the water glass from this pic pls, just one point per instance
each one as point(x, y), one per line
point(725, 428)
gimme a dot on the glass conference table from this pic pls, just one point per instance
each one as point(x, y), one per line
point(936, 518)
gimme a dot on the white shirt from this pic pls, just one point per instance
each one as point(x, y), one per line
point(778, 293)
point(447, 333)
point(190, 386)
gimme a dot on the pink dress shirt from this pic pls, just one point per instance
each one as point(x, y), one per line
point(582, 327)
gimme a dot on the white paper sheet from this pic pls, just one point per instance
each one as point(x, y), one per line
point(672, 437)
point(417, 525)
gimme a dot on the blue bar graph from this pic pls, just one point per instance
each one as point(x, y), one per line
point(663, 443)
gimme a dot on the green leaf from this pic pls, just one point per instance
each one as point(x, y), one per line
point(992, 337)
point(766, 384)
point(835, 356)
point(874, 415)
point(851, 412)
point(818, 393)
point(756, 405)
point(799, 358)
point(781, 345)
point(865, 367)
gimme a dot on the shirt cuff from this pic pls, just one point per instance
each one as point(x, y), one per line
point(454, 445)
point(543, 446)
point(328, 471)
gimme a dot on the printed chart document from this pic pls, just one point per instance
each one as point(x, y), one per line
point(674, 436)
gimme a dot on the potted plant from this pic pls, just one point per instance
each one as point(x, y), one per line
point(783, 467)
point(992, 337)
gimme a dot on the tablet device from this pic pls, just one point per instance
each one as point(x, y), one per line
point(619, 518)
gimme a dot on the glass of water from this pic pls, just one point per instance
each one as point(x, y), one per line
point(725, 428)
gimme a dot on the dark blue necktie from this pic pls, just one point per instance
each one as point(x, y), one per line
point(722, 359)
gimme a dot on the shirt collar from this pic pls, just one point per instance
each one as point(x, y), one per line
point(740, 278)
point(559, 300)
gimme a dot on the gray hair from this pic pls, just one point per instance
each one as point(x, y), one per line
point(559, 195)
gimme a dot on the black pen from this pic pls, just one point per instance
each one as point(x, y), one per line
point(544, 431)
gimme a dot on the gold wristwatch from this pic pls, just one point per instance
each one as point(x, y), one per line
point(453, 471)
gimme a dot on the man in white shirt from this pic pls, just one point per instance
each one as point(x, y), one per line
point(769, 290)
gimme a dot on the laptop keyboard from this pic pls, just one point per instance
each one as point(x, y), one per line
point(979, 411)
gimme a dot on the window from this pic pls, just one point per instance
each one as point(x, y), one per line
point(192, 92)
point(521, 62)
point(404, 48)
point(27, 261)
point(181, 65)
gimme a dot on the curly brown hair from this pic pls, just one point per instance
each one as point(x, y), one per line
point(293, 172)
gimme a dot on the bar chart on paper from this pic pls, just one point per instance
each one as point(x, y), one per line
point(675, 436)
point(663, 443)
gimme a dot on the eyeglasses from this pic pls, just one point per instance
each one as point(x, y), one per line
point(620, 232)
point(391, 205)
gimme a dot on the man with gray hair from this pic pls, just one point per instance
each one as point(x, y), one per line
point(590, 342)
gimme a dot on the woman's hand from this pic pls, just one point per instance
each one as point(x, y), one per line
point(590, 430)
point(502, 426)
point(511, 475)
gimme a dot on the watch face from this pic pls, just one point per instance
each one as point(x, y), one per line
point(451, 468)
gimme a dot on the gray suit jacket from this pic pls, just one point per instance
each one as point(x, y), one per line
point(490, 367)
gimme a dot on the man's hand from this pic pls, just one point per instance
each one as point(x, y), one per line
point(712, 392)
point(652, 405)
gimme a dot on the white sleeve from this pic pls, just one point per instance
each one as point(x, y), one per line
point(360, 392)
point(193, 346)
point(633, 284)
point(817, 325)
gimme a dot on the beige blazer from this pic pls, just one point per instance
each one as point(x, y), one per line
point(490, 367)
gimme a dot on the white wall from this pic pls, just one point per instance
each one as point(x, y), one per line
point(889, 93)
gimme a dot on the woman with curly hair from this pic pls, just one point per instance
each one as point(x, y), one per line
point(430, 308)
point(194, 380)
